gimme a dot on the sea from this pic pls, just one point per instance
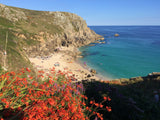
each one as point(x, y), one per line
point(135, 52)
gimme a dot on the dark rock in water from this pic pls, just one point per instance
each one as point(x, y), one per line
point(100, 42)
point(94, 53)
point(97, 41)
point(103, 42)
point(92, 45)
point(93, 71)
point(88, 54)
point(104, 55)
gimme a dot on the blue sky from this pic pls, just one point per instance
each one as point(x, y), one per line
point(100, 12)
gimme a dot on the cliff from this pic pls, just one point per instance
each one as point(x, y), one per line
point(32, 33)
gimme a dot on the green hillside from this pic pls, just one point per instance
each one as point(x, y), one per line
point(15, 55)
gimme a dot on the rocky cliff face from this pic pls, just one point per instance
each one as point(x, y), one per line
point(35, 33)
point(48, 29)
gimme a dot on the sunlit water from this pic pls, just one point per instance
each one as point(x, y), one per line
point(136, 52)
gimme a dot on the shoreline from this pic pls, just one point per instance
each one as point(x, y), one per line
point(98, 75)
point(66, 60)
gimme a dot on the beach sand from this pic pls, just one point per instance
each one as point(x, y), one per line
point(63, 60)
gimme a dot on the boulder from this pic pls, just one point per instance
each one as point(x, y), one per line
point(136, 79)
point(88, 75)
point(93, 71)
point(124, 80)
point(116, 35)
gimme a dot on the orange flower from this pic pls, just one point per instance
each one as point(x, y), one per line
point(12, 73)
point(105, 98)
point(87, 108)
point(1, 94)
point(28, 69)
point(85, 97)
point(35, 83)
point(17, 94)
point(84, 103)
point(96, 104)
point(108, 109)
point(91, 102)
point(51, 101)
point(109, 99)
point(101, 106)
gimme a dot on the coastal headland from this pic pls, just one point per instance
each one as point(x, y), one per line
point(42, 40)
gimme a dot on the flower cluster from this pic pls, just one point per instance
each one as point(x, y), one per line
point(55, 97)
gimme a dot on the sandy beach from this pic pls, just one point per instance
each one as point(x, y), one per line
point(63, 60)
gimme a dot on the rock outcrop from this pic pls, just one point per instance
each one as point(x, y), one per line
point(12, 14)
point(41, 32)
point(48, 29)
point(150, 76)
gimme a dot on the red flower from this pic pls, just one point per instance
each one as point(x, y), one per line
point(101, 106)
point(91, 102)
point(109, 99)
point(51, 101)
point(28, 69)
point(12, 73)
point(1, 94)
point(96, 104)
point(105, 98)
point(108, 109)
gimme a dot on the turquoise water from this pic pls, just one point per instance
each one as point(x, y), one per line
point(136, 52)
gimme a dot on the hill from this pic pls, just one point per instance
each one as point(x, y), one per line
point(38, 33)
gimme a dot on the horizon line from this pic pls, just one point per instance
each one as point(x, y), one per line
point(123, 25)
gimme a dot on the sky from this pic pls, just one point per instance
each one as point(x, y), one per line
point(100, 12)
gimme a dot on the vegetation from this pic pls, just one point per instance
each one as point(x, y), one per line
point(5, 22)
point(15, 55)
point(142, 97)
point(53, 97)
point(131, 101)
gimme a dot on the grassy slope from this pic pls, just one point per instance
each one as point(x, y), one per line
point(39, 21)
point(15, 55)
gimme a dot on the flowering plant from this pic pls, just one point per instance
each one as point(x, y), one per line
point(53, 97)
